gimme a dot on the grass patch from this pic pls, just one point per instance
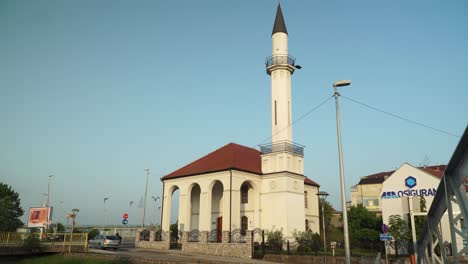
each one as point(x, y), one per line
point(72, 260)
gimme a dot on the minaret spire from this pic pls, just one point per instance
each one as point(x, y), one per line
point(279, 25)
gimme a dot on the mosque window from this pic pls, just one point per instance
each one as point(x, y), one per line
point(307, 225)
point(276, 118)
point(245, 194)
point(305, 199)
point(244, 222)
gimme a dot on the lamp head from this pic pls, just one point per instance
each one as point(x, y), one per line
point(341, 83)
point(322, 195)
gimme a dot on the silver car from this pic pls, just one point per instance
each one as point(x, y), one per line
point(104, 241)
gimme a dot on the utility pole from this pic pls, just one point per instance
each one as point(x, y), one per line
point(144, 203)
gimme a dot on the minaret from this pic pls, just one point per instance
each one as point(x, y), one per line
point(282, 154)
point(282, 199)
point(280, 66)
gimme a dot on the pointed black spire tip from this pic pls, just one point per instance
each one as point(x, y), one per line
point(279, 25)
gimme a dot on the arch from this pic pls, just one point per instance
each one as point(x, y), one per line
point(216, 214)
point(194, 207)
point(171, 203)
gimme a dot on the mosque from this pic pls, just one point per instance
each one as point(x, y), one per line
point(241, 188)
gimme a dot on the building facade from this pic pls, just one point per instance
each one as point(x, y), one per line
point(238, 188)
point(369, 189)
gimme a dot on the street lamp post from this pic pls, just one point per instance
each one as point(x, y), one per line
point(73, 216)
point(105, 214)
point(323, 196)
point(144, 203)
point(155, 199)
point(48, 200)
point(342, 179)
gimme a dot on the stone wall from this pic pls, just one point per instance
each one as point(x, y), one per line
point(225, 249)
point(239, 250)
point(162, 245)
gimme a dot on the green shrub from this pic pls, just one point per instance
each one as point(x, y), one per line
point(93, 233)
point(275, 239)
point(308, 241)
point(32, 242)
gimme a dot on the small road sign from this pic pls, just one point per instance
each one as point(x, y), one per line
point(385, 237)
point(125, 216)
point(125, 221)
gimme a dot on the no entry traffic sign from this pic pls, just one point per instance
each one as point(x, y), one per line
point(125, 216)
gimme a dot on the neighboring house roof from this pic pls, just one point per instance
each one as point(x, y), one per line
point(229, 157)
point(437, 170)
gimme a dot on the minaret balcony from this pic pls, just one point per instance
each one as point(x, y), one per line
point(282, 146)
point(280, 62)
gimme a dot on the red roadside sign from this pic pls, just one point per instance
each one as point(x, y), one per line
point(125, 216)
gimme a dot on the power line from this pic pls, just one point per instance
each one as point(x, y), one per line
point(401, 118)
point(297, 120)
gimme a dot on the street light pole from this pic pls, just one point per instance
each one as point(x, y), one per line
point(105, 214)
point(322, 196)
point(155, 198)
point(48, 200)
point(144, 203)
point(342, 179)
point(73, 216)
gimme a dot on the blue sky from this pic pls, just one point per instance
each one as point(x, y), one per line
point(95, 92)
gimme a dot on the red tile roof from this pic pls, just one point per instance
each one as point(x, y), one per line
point(231, 156)
point(437, 170)
point(308, 181)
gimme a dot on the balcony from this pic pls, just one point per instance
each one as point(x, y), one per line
point(284, 146)
point(280, 60)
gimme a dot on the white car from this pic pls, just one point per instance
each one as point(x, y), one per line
point(104, 241)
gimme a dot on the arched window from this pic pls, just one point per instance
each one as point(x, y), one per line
point(305, 199)
point(307, 225)
point(244, 222)
point(245, 193)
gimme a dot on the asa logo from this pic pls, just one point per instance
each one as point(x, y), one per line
point(410, 182)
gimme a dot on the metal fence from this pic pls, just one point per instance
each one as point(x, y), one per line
point(8, 239)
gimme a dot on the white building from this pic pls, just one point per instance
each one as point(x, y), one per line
point(240, 188)
point(368, 191)
point(401, 195)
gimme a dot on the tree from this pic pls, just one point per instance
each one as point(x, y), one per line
point(60, 227)
point(10, 209)
point(400, 231)
point(94, 232)
point(364, 227)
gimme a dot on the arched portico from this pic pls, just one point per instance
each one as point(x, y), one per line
point(168, 207)
point(216, 212)
point(193, 207)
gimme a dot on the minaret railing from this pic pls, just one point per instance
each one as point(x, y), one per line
point(280, 59)
point(282, 146)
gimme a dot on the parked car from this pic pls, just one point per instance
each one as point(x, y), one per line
point(104, 241)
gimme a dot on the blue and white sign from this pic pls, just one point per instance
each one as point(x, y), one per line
point(125, 221)
point(410, 182)
point(385, 237)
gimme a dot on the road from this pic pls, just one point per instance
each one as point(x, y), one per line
point(174, 256)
